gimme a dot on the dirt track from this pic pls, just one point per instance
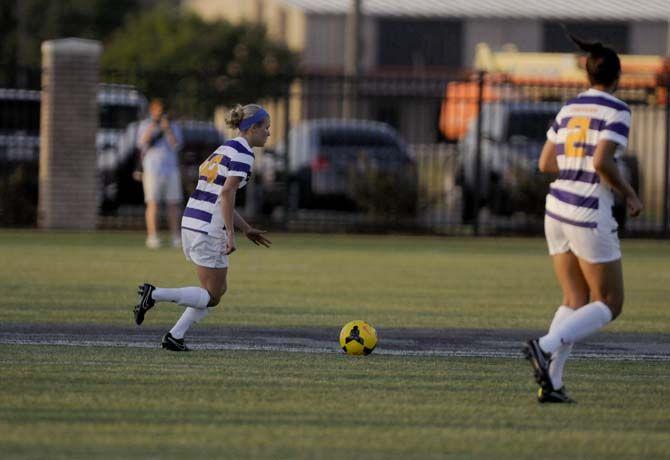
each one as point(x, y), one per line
point(418, 342)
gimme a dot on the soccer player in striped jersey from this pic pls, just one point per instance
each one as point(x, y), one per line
point(589, 134)
point(208, 225)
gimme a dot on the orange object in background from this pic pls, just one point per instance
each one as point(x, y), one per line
point(513, 75)
point(459, 107)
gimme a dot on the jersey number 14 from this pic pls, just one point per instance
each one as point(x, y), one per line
point(210, 168)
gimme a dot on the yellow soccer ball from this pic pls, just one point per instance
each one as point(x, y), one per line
point(358, 338)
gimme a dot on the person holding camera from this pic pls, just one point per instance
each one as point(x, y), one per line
point(159, 141)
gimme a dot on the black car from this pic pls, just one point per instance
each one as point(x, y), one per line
point(350, 165)
point(200, 139)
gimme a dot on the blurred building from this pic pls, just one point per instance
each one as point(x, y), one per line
point(428, 39)
point(428, 35)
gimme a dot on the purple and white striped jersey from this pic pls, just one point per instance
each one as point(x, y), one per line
point(577, 196)
point(203, 210)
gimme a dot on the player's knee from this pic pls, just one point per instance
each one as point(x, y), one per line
point(615, 304)
point(215, 297)
point(213, 301)
point(614, 301)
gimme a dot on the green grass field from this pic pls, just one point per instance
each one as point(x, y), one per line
point(319, 281)
point(96, 402)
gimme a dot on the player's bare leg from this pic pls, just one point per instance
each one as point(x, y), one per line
point(213, 281)
point(573, 284)
point(575, 294)
point(605, 282)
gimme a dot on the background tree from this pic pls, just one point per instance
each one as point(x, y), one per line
point(196, 65)
point(25, 24)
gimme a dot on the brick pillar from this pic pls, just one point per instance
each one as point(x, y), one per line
point(68, 188)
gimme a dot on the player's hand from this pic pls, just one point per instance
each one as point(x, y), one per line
point(634, 206)
point(165, 123)
point(256, 237)
point(230, 244)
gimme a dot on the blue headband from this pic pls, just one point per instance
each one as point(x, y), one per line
point(257, 117)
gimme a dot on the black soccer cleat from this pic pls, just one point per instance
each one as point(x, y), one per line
point(145, 303)
point(540, 362)
point(554, 396)
point(172, 344)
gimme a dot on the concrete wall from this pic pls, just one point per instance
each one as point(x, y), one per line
point(526, 34)
point(234, 11)
point(283, 22)
point(325, 42)
point(650, 38)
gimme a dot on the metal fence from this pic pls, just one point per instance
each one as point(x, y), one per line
point(474, 145)
point(451, 156)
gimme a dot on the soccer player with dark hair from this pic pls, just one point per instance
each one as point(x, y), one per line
point(589, 133)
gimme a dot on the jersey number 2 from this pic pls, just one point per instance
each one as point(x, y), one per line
point(576, 139)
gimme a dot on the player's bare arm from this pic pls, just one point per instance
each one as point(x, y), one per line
point(604, 163)
point(548, 162)
point(228, 210)
point(255, 235)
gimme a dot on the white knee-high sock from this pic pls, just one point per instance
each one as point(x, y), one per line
point(582, 323)
point(191, 315)
point(560, 356)
point(188, 296)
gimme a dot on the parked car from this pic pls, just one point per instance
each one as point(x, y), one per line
point(270, 180)
point(19, 125)
point(350, 164)
point(20, 128)
point(20, 121)
point(200, 139)
point(119, 106)
point(120, 109)
point(512, 136)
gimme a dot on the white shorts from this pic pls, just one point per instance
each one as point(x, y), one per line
point(162, 188)
point(204, 250)
point(594, 245)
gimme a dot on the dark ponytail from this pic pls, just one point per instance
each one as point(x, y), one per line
point(602, 64)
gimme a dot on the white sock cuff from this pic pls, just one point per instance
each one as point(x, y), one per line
point(563, 312)
point(203, 301)
point(195, 297)
point(564, 309)
point(584, 322)
point(606, 312)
